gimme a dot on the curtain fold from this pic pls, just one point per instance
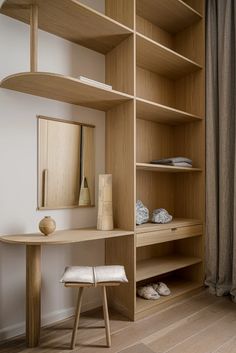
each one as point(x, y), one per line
point(220, 147)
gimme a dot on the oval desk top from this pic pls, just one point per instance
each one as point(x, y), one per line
point(64, 236)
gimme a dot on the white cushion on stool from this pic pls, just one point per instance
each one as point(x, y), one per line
point(81, 274)
point(110, 274)
point(93, 275)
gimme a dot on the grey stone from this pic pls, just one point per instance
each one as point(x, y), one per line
point(160, 215)
point(142, 213)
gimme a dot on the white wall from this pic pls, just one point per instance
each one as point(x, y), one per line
point(18, 174)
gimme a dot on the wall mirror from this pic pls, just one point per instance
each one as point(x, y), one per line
point(66, 164)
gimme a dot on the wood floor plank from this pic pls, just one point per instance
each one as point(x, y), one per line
point(208, 340)
point(137, 348)
point(201, 324)
point(228, 347)
point(163, 340)
point(145, 327)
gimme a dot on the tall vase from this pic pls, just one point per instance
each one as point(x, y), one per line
point(105, 213)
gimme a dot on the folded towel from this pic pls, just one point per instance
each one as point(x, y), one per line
point(172, 160)
point(182, 164)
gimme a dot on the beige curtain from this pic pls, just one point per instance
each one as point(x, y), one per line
point(220, 143)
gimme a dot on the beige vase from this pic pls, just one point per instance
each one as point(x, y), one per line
point(105, 213)
point(47, 225)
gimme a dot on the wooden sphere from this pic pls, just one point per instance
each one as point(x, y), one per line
point(47, 225)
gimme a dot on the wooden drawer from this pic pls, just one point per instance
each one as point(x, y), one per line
point(161, 236)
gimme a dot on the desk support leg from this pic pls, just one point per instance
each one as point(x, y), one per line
point(33, 294)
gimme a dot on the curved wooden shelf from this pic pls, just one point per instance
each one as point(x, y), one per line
point(72, 21)
point(165, 168)
point(63, 236)
point(156, 112)
point(65, 89)
point(170, 15)
point(156, 57)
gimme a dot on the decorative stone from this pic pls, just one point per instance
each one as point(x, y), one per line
point(160, 215)
point(47, 225)
point(142, 213)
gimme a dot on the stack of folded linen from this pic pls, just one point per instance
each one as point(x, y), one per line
point(174, 161)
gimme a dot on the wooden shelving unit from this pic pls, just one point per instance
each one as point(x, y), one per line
point(154, 60)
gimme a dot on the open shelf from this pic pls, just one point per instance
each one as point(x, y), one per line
point(171, 15)
point(165, 168)
point(156, 266)
point(73, 21)
point(157, 58)
point(151, 111)
point(65, 89)
point(178, 287)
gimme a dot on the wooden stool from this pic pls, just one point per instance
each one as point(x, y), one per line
point(81, 287)
point(85, 277)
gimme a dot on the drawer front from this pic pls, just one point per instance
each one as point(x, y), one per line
point(170, 234)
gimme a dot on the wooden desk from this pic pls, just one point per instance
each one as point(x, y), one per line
point(33, 244)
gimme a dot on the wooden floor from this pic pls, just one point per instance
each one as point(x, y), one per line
point(201, 324)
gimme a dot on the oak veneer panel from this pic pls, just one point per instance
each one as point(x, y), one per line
point(154, 32)
point(189, 42)
point(63, 236)
point(159, 113)
point(73, 21)
point(65, 89)
point(33, 298)
point(156, 190)
point(164, 168)
point(158, 58)
point(155, 88)
point(122, 251)
point(120, 162)
point(154, 141)
point(157, 266)
point(120, 66)
point(170, 15)
point(190, 93)
point(123, 11)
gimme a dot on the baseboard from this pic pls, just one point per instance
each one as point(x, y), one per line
point(48, 319)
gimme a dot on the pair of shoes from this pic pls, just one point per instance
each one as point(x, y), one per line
point(161, 288)
point(153, 291)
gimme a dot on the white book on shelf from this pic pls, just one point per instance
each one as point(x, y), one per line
point(94, 82)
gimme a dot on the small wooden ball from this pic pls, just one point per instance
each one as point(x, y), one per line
point(47, 225)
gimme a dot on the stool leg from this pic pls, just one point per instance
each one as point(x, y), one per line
point(77, 315)
point(106, 316)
